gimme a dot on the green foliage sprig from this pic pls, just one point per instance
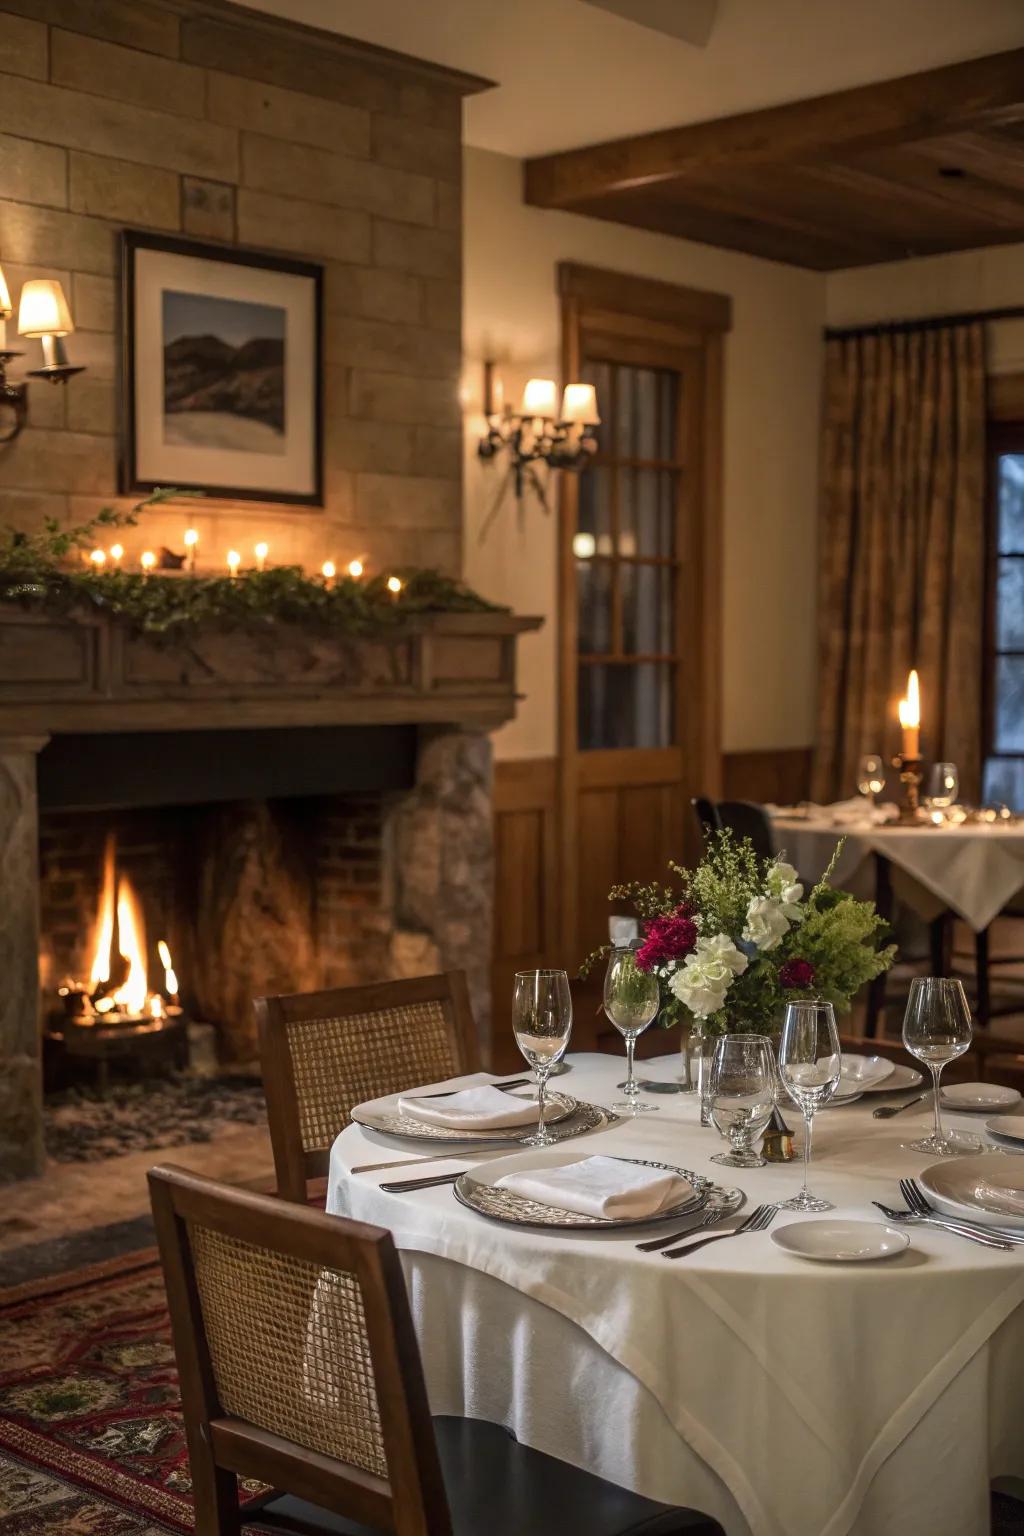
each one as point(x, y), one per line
point(34, 571)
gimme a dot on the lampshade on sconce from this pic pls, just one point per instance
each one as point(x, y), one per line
point(538, 433)
point(540, 398)
point(579, 404)
point(6, 308)
point(43, 315)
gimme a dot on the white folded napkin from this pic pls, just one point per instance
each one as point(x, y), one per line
point(601, 1186)
point(863, 1071)
point(478, 1109)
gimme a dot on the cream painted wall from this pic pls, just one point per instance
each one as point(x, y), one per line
point(772, 389)
point(938, 285)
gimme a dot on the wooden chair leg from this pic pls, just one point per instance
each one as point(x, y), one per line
point(940, 934)
point(215, 1492)
point(981, 978)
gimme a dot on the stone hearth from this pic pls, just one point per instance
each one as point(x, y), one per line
point(448, 678)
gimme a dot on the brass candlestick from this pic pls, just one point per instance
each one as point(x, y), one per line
point(911, 776)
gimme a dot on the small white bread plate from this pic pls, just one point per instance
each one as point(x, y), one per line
point(862, 1072)
point(840, 1242)
point(979, 1096)
point(987, 1188)
point(1008, 1128)
point(899, 1080)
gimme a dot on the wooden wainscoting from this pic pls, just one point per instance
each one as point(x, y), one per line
point(526, 883)
point(528, 871)
point(778, 777)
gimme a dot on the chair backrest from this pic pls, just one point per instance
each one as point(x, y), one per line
point(745, 819)
point(298, 1361)
point(324, 1052)
point(707, 817)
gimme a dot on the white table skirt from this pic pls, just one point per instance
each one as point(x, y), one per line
point(973, 870)
point(784, 1398)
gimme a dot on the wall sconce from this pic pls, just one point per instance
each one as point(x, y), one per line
point(43, 314)
point(538, 432)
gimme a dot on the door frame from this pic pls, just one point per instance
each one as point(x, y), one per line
point(688, 319)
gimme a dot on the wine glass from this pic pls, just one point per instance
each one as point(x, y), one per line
point(542, 1020)
point(937, 1029)
point(943, 785)
point(631, 1001)
point(810, 1064)
point(742, 1096)
point(871, 776)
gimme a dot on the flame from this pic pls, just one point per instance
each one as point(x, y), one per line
point(910, 707)
point(118, 900)
point(170, 978)
point(156, 1006)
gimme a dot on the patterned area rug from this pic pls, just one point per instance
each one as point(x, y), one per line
point(91, 1437)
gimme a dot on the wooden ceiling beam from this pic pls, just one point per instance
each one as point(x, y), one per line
point(972, 94)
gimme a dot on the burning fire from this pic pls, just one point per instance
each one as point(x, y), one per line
point(118, 978)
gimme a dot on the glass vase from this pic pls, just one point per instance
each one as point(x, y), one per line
point(702, 1050)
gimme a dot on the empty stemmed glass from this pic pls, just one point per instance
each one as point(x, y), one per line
point(810, 1064)
point(631, 1001)
point(742, 1096)
point(937, 1029)
point(542, 1021)
point(871, 776)
point(943, 785)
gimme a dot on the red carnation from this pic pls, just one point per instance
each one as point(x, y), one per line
point(797, 973)
point(667, 938)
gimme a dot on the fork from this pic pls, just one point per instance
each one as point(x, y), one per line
point(915, 1218)
point(917, 1201)
point(757, 1221)
point(707, 1219)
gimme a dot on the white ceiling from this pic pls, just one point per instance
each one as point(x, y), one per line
point(571, 73)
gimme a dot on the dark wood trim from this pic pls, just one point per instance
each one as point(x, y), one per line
point(925, 323)
point(318, 41)
point(972, 93)
point(133, 241)
point(627, 296)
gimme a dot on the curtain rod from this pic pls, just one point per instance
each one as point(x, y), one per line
point(926, 323)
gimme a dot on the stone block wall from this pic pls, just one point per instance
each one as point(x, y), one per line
point(196, 118)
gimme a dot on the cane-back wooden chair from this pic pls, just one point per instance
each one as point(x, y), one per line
point(300, 1369)
point(324, 1052)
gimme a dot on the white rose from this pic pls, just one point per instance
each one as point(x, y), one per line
point(784, 886)
point(767, 923)
point(707, 974)
point(696, 992)
point(722, 948)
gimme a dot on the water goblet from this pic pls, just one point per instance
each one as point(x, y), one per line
point(871, 776)
point(810, 1064)
point(937, 1029)
point(742, 1095)
point(943, 785)
point(631, 1001)
point(542, 1021)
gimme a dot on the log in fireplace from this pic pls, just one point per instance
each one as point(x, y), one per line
point(334, 791)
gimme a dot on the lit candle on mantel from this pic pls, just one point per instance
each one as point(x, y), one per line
point(261, 552)
point(355, 569)
point(98, 558)
point(191, 545)
point(147, 561)
point(394, 585)
point(117, 554)
point(328, 571)
point(910, 718)
point(234, 561)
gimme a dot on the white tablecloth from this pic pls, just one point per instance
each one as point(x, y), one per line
point(782, 1397)
point(972, 870)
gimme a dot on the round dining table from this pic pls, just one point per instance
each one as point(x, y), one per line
point(781, 1396)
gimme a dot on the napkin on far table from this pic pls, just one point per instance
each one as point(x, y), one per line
point(471, 1109)
point(601, 1186)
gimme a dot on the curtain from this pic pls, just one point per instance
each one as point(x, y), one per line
point(902, 549)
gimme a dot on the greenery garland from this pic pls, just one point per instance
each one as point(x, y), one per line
point(35, 573)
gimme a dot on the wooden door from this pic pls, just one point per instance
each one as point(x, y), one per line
point(639, 602)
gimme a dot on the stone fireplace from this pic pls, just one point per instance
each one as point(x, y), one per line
point(316, 814)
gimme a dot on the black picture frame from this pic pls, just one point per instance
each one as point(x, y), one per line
point(130, 479)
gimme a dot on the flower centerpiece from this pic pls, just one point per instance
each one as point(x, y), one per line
point(736, 938)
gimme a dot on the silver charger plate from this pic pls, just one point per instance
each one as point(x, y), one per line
point(519, 1211)
point(559, 1108)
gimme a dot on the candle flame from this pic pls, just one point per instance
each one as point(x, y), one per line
point(98, 557)
point(148, 560)
point(191, 538)
point(910, 707)
point(327, 570)
point(394, 585)
point(170, 979)
point(355, 568)
point(117, 552)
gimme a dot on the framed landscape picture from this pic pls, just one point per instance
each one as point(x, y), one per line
point(221, 371)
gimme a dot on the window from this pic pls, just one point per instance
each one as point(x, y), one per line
point(1004, 767)
point(627, 560)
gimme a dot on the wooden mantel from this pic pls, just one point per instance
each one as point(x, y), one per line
point(90, 674)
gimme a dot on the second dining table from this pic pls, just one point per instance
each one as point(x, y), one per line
point(783, 1397)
